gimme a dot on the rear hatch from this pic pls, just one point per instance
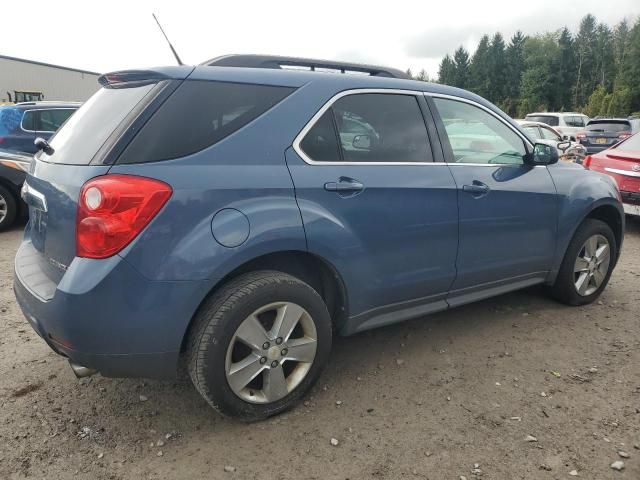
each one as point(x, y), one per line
point(605, 133)
point(84, 148)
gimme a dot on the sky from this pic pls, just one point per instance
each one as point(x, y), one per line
point(403, 34)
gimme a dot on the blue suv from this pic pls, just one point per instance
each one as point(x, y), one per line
point(231, 217)
point(22, 123)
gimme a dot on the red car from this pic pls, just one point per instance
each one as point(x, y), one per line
point(622, 162)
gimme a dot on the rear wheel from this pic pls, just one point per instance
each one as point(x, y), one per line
point(587, 264)
point(258, 344)
point(8, 208)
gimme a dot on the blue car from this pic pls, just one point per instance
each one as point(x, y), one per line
point(230, 218)
point(22, 123)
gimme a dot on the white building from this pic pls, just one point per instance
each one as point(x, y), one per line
point(29, 80)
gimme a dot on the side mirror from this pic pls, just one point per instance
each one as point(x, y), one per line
point(362, 142)
point(43, 145)
point(542, 155)
point(563, 145)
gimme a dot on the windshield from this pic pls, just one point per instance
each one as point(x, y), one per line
point(84, 133)
point(608, 126)
point(548, 119)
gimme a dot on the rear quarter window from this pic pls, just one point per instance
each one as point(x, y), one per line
point(199, 114)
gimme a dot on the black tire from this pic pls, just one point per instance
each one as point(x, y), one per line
point(216, 323)
point(12, 209)
point(564, 289)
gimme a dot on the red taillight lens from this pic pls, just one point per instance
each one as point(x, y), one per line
point(581, 135)
point(622, 136)
point(586, 163)
point(113, 210)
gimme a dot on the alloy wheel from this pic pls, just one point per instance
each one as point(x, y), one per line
point(591, 265)
point(3, 208)
point(271, 352)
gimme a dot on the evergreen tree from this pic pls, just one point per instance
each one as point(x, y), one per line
point(514, 58)
point(447, 71)
point(422, 76)
point(461, 64)
point(479, 68)
point(497, 74)
point(566, 70)
point(585, 53)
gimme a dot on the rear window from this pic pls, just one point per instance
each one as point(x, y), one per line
point(609, 126)
point(82, 136)
point(632, 144)
point(200, 114)
point(548, 119)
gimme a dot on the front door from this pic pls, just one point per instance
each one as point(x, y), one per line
point(508, 210)
point(373, 202)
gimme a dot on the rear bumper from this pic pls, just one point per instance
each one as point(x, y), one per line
point(108, 317)
point(631, 209)
point(591, 149)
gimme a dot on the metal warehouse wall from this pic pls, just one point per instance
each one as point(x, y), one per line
point(57, 83)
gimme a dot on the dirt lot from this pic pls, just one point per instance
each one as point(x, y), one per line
point(424, 399)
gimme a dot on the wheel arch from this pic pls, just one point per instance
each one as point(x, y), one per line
point(308, 267)
point(610, 215)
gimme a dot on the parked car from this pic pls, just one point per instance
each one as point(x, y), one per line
point(622, 163)
point(567, 123)
point(214, 218)
point(22, 123)
point(13, 170)
point(602, 133)
point(543, 133)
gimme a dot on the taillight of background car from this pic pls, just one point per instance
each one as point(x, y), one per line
point(113, 210)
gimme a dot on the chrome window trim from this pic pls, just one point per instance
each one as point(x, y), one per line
point(415, 93)
point(329, 103)
point(42, 110)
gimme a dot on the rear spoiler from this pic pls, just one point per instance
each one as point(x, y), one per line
point(132, 78)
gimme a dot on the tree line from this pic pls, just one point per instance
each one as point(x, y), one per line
point(595, 70)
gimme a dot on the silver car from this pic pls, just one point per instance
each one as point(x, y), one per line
point(543, 133)
point(568, 124)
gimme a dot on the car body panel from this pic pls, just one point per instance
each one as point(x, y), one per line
point(623, 166)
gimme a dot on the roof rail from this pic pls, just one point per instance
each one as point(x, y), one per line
point(294, 63)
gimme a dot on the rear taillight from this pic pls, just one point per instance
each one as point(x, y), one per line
point(586, 163)
point(113, 210)
point(580, 136)
point(622, 136)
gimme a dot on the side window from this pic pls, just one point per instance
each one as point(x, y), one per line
point(477, 136)
point(549, 134)
point(321, 143)
point(50, 120)
point(199, 114)
point(380, 127)
point(29, 120)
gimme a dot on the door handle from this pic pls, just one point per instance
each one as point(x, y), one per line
point(344, 186)
point(477, 189)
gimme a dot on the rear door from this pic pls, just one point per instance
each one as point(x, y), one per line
point(374, 203)
point(507, 209)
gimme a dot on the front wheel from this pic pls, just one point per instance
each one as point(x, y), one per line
point(587, 264)
point(259, 344)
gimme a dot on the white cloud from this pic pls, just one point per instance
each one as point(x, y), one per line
point(122, 34)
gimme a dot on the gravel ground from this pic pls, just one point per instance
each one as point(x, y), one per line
point(457, 394)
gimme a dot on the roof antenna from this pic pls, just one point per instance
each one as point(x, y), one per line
point(175, 54)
